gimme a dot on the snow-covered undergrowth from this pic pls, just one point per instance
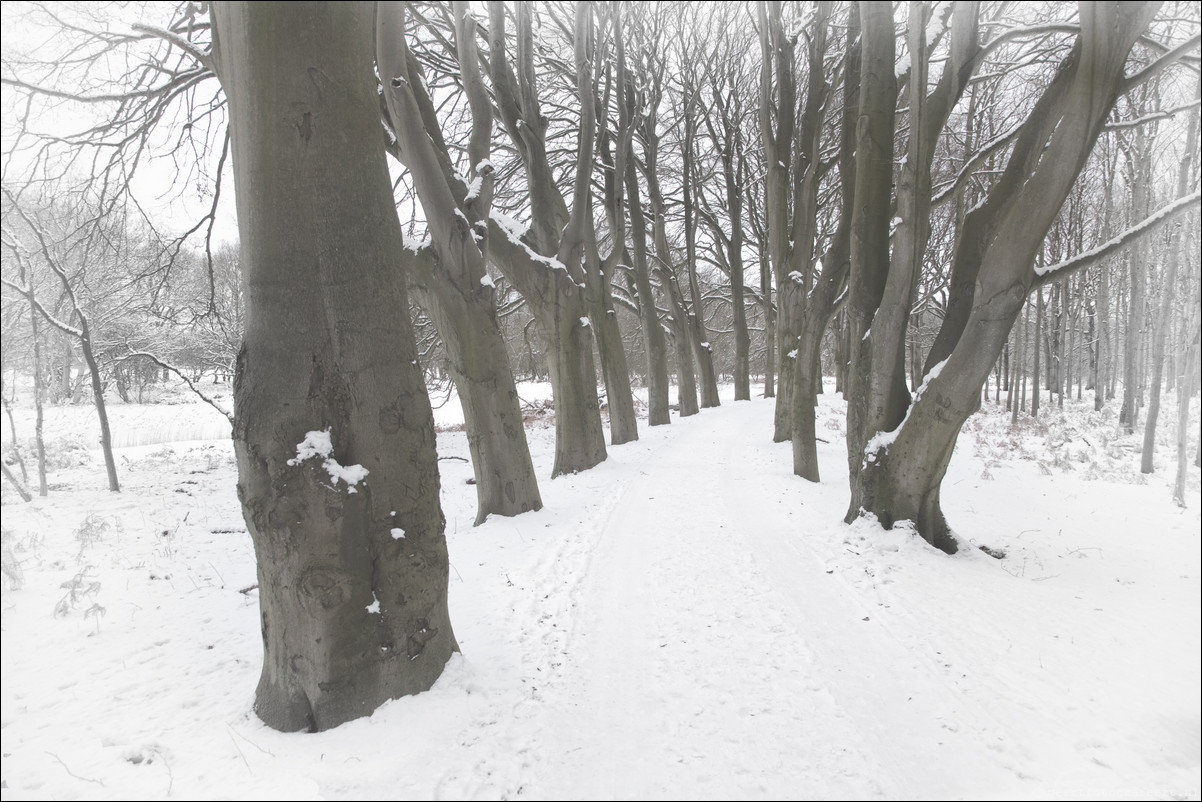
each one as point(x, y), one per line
point(687, 620)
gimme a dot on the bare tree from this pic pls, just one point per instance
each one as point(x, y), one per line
point(36, 242)
point(449, 276)
point(897, 475)
point(531, 257)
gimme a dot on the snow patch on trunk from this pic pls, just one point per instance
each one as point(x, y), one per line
point(319, 445)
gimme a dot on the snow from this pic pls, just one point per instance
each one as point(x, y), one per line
point(315, 444)
point(584, 322)
point(1138, 229)
point(903, 65)
point(937, 22)
point(374, 607)
point(486, 281)
point(415, 245)
point(796, 277)
point(397, 533)
point(514, 231)
point(318, 444)
point(881, 441)
point(686, 620)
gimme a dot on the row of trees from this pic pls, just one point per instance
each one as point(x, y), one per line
point(911, 174)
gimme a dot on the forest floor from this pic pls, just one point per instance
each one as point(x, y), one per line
point(687, 620)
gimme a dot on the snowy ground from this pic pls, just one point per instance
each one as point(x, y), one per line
point(687, 620)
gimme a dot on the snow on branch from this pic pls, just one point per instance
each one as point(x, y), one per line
point(1149, 225)
point(1170, 57)
point(986, 150)
point(46, 314)
point(1163, 114)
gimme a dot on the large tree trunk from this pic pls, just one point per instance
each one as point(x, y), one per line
point(557, 304)
point(492, 416)
point(348, 531)
point(778, 91)
point(904, 469)
point(544, 262)
point(623, 423)
point(870, 230)
point(819, 307)
point(449, 276)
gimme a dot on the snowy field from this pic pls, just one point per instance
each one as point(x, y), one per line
point(686, 621)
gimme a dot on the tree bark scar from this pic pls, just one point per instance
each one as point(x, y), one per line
point(305, 127)
point(314, 74)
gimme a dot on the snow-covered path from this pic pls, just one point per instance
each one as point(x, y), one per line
point(718, 633)
point(686, 672)
point(715, 654)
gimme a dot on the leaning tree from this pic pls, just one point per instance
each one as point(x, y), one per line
point(898, 448)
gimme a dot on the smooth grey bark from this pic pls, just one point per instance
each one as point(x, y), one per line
point(870, 232)
point(1101, 374)
point(448, 277)
point(353, 570)
point(623, 423)
point(879, 395)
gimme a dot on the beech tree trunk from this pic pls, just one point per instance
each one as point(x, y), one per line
point(348, 533)
point(653, 331)
point(901, 478)
point(819, 306)
point(545, 269)
point(449, 276)
point(870, 229)
point(686, 377)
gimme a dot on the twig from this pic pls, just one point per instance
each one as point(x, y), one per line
point(73, 774)
point(238, 749)
point(461, 459)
